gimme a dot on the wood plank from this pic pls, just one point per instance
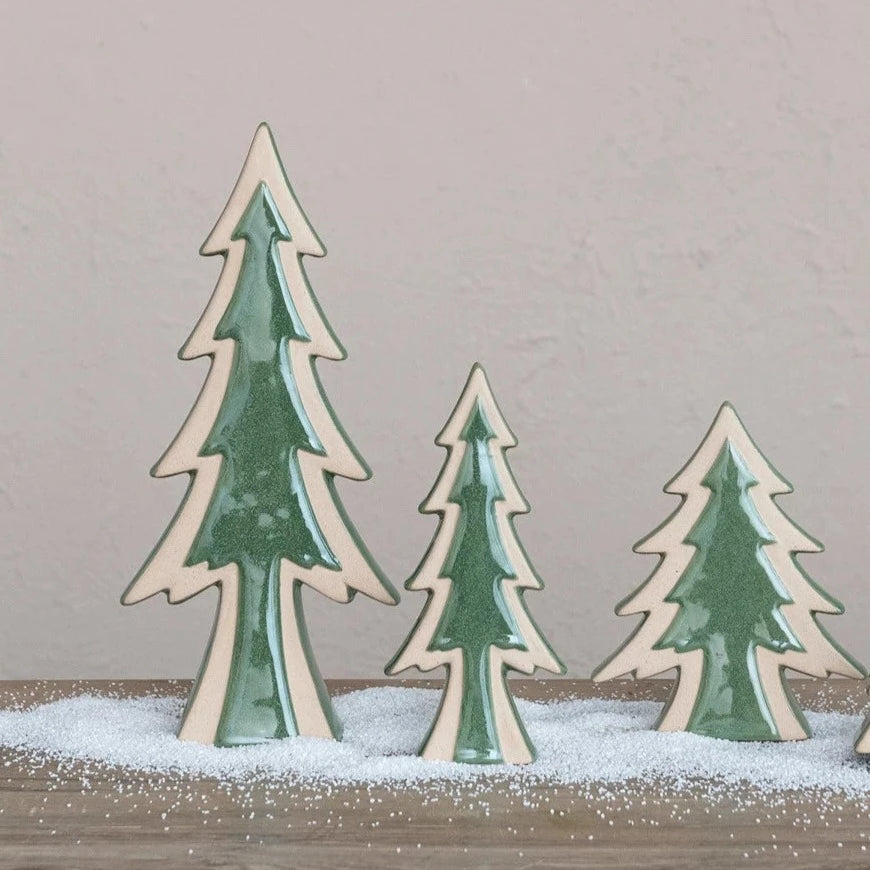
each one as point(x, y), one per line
point(48, 818)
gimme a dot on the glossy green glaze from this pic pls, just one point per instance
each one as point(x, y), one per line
point(260, 511)
point(730, 601)
point(257, 705)
point(477, 616)
point(745, 612)
point(476, 573)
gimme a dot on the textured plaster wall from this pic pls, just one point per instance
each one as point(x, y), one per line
point(628, 211)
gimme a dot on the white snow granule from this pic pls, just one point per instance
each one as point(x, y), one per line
point(592, 742)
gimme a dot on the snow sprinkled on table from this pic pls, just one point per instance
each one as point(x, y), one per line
point(582, 743)
point(95, 771)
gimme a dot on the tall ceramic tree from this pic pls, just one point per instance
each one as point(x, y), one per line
point(728, 605)
point(262, 447)
point(475, 572)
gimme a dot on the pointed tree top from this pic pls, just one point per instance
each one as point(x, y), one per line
point(477, 427)
point(263, 166)
point(261, 218)
point(729, 467)
point(727, 428)
point(730, 478)
point(476, 415)
point(476, 406)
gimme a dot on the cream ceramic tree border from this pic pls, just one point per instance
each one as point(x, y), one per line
point(638, 657)
point(165, 570)
point(441, 741)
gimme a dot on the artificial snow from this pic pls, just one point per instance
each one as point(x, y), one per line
point(586, 742)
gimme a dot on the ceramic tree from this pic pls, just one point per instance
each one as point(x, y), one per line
point(728, 605)
point(261, 517)
point(475, 621)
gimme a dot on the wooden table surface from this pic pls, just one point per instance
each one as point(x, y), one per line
point(122, 819)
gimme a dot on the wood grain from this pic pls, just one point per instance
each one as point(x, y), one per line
point(52, 819)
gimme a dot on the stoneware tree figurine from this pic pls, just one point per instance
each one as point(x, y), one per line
point(261, 516)
point(728, 605)
point(475, 572)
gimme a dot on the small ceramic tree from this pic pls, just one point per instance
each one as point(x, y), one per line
point(262, 447)
point(728, 605)
point(475, 620)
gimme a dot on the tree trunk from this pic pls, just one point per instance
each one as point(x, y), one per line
point(257, 704)
point(513, 740)
point(477, 739)
point(731, 704)
point(309, 698)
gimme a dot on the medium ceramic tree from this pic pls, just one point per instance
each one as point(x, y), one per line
point(728, 605)
point(475, 621)
point(262, 447)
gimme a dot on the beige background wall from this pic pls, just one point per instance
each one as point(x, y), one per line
point(628, 211)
